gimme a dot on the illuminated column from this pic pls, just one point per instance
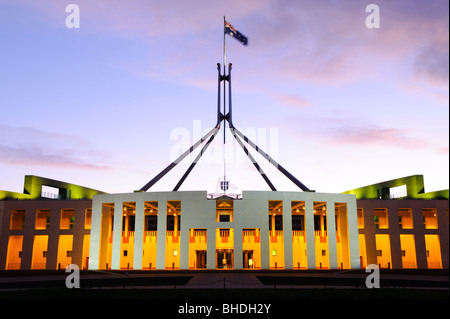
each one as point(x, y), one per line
point(331, 227)
point(237, 248)
point(161, 238)
point(138, 234)
point(419, 237)
point(310, 240)
point(95, 236)
point(273, 224)
point(353, 240)
point(211, 247)
point(264, 241)
point(175, 224)
point(184, 247)
point(117, 235)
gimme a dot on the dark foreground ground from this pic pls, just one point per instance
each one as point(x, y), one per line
point(228, 293)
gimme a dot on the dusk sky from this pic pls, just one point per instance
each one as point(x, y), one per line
point(110, 104)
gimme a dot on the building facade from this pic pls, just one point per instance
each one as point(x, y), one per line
point(193, 230)
point(261, 230)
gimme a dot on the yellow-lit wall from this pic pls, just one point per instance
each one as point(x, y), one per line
point(172, 250)
point(85, 254)
point(253, 242)
point(14, 248)
point(300, 260)
point(127, 247)
point(321, 244)
point(408, 248)
point(149, 248)
point(197, 241)
point(40, 245)
point(65, 244)
point(383, 244)
point(433, 248)
point(23, 230)
point(362, 250)
point(276, 249)
point(224, 242)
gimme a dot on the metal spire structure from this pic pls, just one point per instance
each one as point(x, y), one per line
point(209, 137)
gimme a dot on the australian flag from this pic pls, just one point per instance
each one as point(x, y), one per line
point(230, 30)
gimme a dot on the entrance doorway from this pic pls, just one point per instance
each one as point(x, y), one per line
point(224, 258)
point(200, 259)
point(248, 262)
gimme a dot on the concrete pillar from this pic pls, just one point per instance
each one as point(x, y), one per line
point(331, 228)
point(394, 238)
point(353, 240)
point(419, 237)
point(238, 248)
point(138, 234)
point(53, 238)
point(78, 237)
point(161, 237)
point(211, 248)
point(184, 248)
point(310, 240)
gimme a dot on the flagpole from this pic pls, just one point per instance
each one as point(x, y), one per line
point(224, 63)
point(224, 55)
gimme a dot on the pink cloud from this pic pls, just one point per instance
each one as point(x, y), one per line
point(31, 147)
point(290, 100)
point(393, 137)
point(353, 131)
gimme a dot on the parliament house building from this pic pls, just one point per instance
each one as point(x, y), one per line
point(196, 230)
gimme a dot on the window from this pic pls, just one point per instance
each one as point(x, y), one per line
point(324, 252)
point(87, 218)
point(173, 219)
point(298, 222)
point(380, 218)
point(298, 215)
point(405, 219)
point(17, 219)
point(430, 218)
point(379, 253)
point(224, 210)
point(224, 232)
point(397, 192)
point(125, 253)
point(376, 221)
point(360, 218)
point(50, 192)
point(67, 218)
point(151, 223)
point(275, 215)
point(151, 216)
point(42, 219)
